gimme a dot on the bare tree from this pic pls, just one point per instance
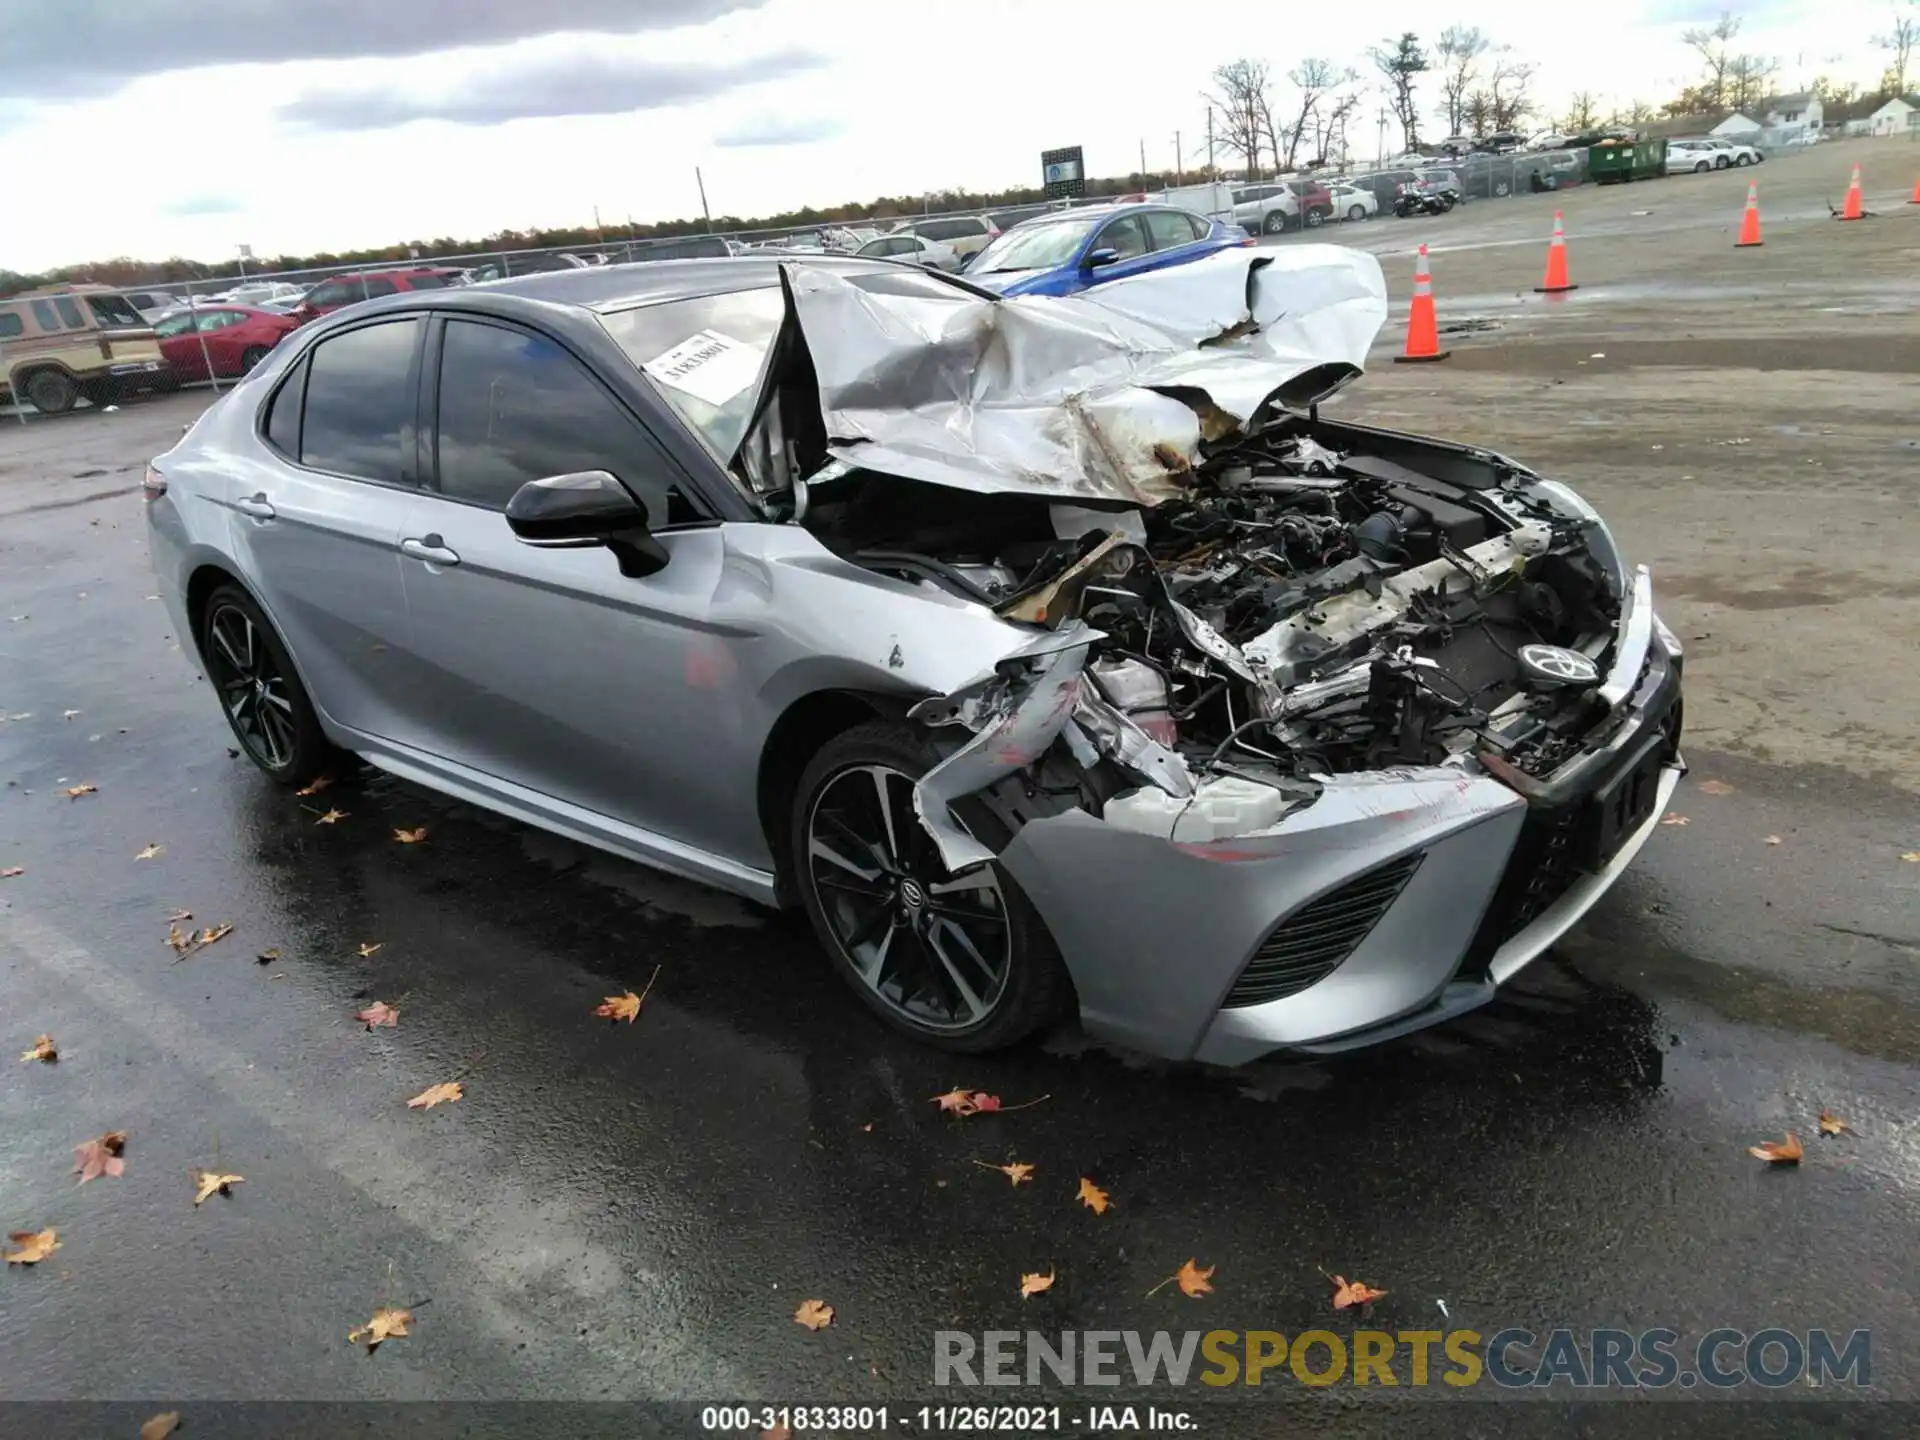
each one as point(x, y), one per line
point(1899, 43)
point(1636, 114)
point(1715, 47)
point(1242, 97)
point(1583, 113)
point(1331, 120)
point(1312, 78)
point(1459, 50)
point(1402, 63)
point(1502, 103)
point(1749, 81)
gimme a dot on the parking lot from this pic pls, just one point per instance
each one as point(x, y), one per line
point(624, 1211)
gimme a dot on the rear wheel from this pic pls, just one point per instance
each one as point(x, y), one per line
point(1356, 212)
point(1720, 162)
point(52, 392)
point(1702, 168)
point(251, 357)
point(962, 962)
point(1275, 223)
point(1313, 219)
point(265, 702)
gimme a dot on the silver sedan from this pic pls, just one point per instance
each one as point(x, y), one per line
point(1053, 654)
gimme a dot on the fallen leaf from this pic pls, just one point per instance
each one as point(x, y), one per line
point(161, 1425)
point(1033, 1284)
point(411, 837)
point(1675, 820)
point(100, 1156)
point(957, 1101)
point(627, 1007)
point(1714, 787)
point(1192, 1280)
point(1352, 1292)
point(178, 942)
point(152, 852)
point(267, 957)
point(42, 1050)
point(814, 1314)
point(1018, 1172)
point(208, 1183)
point(211, 934)
point(69, 714)
point(1831, 1124)
point(35, 1246)
point(1778, 1152)
point(378, 1013)
point(368, 950)
point(11, 871)
point(332, 817)
point(436, 1094)
point(74, 792)
point(1093, 1197)
point(177, 916)
point(388, 1323)
point(981, 1102)
point(316, 787)
point(1912, 857)
point(1773, 839)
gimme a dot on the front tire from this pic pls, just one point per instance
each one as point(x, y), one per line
point(1274, 224)
point(963, 963)
point(1313, 219)
point(53, 392)
point(265, 703)
point(1357, 212)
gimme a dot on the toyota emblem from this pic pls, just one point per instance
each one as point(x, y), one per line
point(1556, 665)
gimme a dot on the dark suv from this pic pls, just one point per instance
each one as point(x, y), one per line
point(341, 290)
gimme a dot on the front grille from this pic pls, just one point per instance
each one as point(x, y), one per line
point(1544, 863)
point(1310, 944)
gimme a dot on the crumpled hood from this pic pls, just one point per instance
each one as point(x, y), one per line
point(1100, 396)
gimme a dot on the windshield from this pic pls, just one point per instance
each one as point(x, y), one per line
point(1037, 245)
point(705, 354)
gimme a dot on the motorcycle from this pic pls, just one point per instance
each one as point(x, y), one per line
point(1425, 200)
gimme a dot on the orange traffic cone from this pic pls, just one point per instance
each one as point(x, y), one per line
point(1851, 210)
point(1750, 222)
point(1556, 282)
point(1423, 328)
point(1916, 194)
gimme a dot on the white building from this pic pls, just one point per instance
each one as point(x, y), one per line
point(1783, 120)
point(1899, 116)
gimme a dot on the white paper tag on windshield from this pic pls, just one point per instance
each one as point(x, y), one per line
point(708, 366)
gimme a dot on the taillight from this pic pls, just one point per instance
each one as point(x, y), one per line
point(152, 485)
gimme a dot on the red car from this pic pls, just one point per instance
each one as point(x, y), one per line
point(237, 338)
point(341, 290)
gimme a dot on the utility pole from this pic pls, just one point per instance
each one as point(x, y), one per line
point(1213, 180)
point(1143, 160)
point(705, 214)
point(1381, 162)
point(1179, 161)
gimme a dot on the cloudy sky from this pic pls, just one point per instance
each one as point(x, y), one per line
point(154, 127)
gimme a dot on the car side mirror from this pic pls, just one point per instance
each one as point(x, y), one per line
point(582, 510)
point(1105, 255)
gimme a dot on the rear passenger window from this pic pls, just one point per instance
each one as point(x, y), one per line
point(379, 287)
point(44, 317)
point(283, 420)
point(70, 313)
point(1169, 228)
point(360, 403)
point(10, 326)
point(425, 282)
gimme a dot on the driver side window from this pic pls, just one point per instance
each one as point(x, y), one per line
point(1124, 237)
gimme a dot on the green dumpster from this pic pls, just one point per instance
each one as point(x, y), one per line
point(1611, 161)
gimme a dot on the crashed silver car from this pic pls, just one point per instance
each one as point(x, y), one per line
point(1056, 655)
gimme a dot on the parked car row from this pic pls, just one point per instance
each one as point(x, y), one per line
point(1699, 156)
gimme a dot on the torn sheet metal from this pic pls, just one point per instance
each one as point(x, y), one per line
point(1014, 719)
point(1096, 396)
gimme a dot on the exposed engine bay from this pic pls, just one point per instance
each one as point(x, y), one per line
point(1302, 608)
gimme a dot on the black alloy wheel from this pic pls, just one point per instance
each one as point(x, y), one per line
point(960, 961)
point(263, 699)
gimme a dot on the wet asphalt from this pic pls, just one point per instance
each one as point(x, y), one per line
point(624, 1212)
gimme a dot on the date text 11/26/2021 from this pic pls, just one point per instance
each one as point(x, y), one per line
point(944, 1419)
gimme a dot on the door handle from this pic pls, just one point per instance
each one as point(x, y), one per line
point(258, 506)
point(430, 548)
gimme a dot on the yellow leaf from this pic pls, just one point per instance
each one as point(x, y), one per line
point(368, 949)
point(411, 837)
point(958, 1101)
point(1912, 857)
point(1778, 1152)
point(814, 1314)
point(619, 1007)
point(1018, 1172)
point(1714, 787)
point(1033, 1284)
point(212, 933)
point(332, 817)
point(1352, 1292)
point(387, 1324)
point(74, 792)
point(208, 1183)
point(1675, 820)
point(152, 852)
point(1831, 1124)
point(42, 1050)
point(433, 1095)
point(1192, 1280)
point(1093, 1197)
point(161, 1425)
point(35, 1246)
point(316, 787)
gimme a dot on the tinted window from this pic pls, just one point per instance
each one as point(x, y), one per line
point(283, 420)
point(950, 229)
point(379, 287)
point(330, 293)
point(69, 313)
point(516, 407)
point(10, 325)
point(425, 282)
point(1169, 228)
point(360, 401)
point(43, 315)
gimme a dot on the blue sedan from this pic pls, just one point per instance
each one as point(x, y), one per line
point(1064, 253)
